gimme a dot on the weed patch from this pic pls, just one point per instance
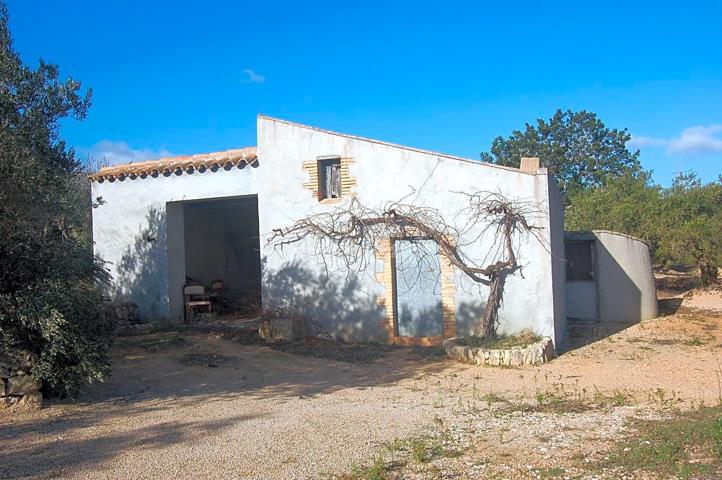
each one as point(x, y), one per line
point(560, 401)
point(492, 398)
point(688, 445)
point(553, 472)
point(694, 342)
point(415, 452)
point(424, 449)
point(521, 339)
point(378, 470)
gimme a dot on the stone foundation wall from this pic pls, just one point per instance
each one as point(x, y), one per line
point(534, 354)
point(126, 319)
point(17, 386)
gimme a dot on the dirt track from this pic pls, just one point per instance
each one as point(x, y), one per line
point(182, 406)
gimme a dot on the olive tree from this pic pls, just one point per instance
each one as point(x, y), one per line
point(49, 296)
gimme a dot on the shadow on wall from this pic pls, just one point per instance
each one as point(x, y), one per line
point(340, 309)
point(141, 274)
point(425, 322)
point(619, 302)
point(468, 318)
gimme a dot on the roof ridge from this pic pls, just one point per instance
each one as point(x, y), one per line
point(227, 159)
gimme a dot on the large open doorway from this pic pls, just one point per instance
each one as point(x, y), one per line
point(222, 251)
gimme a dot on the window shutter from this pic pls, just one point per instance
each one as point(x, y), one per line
point(334, 174)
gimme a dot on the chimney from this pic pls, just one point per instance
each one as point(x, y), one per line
point(529, 164)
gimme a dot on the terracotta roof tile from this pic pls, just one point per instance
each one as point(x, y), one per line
point(226, 160)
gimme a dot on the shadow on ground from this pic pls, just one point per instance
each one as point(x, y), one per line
point(192, 370)
point(60, 453)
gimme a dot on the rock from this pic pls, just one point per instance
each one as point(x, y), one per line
point(145, 328)
point(31, 400)
point(540, 352)
point(2, 387)
point(22, 385)
point(25, 360)
point(4, 370)
point(122, 313)
point(517, 358)
point(278, 329)
point(137, 329)
point(6, 402)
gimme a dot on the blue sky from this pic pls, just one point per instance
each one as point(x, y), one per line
point(180, 77)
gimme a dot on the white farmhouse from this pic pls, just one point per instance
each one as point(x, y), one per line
point(199, 218)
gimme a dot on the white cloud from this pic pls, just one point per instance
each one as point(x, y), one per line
point(639, 142)
point(108, 152)
point(697, 140)
point(692, 141)
point(249, 76)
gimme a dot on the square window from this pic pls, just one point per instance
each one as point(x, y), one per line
point(329, 178)
point(580, 260)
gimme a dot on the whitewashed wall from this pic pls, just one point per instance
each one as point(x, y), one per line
point(386, 172)
point(138, 230)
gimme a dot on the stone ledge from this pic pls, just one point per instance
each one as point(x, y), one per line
point(537, 353)
point(133, 329)
point(17, 386)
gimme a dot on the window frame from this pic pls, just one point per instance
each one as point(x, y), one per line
point(573, 275)
point(325, 166)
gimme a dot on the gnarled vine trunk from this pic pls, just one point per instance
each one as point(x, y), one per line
point(348, 233)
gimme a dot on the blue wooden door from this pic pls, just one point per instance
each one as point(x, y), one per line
point(418, 288)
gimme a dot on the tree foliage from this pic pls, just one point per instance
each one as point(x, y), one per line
point(682, 223)
point(49, 300)
point(628, 204)
point(580, 151)
point(604, 187)
point(690, 225)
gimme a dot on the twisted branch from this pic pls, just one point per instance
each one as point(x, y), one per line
point(349, 233)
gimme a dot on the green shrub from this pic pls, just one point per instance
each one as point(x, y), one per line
point(62, 324)
point(50, 304)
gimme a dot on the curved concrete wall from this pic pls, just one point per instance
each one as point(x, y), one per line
point(625, 281)
point(623, 289)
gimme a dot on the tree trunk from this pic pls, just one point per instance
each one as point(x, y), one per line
point(707, 273)
point(490, 314)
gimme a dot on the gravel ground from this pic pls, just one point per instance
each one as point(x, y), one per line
point(203, 405)
point(253, 413)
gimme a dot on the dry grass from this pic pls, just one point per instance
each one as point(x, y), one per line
point(521, 339)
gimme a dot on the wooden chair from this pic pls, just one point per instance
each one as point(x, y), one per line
point(217, 286)
point(195, 297)
point(217, 294)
